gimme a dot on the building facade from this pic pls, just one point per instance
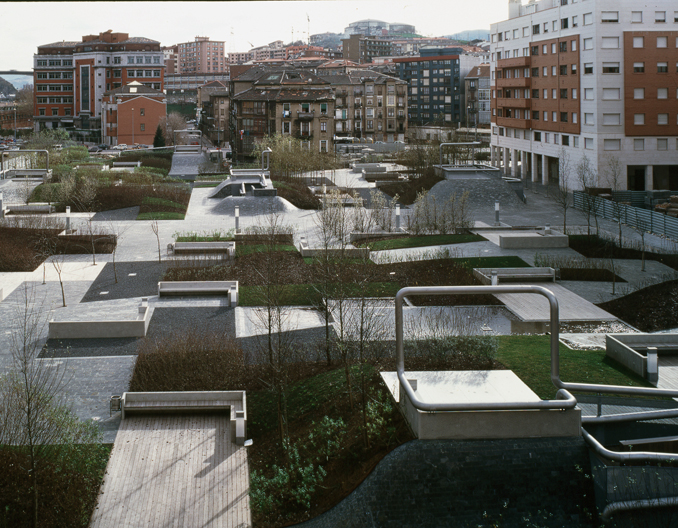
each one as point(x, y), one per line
point(594, 79)
point(201, 56)
point(70, 78)
point(436, 90)
point(478, 95)
point(131, 114)
point(361, 49)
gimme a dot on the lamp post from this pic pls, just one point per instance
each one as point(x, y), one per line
point(14, 123)
point(132, 126)
point(468, 111)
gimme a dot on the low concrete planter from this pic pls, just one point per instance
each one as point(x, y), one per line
point(503, 275)
point(639, 352)
point(192, 248)
point(102, 329)
point(183, 288)
point(34, 208)
point(347, 252)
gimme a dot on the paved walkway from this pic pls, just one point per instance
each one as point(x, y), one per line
point(181, 471)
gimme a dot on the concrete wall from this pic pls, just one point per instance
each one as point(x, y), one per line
point(99, 329)
point(471, 483)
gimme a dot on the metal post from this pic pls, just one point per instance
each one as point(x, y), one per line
point(237, 219)
point(496, 214)
point(398, 216)
point(68, 218)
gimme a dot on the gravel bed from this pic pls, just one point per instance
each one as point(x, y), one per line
point(483, 193)
point(14, 191)
point(145, 283)
point(250, 206)
point(128, 213)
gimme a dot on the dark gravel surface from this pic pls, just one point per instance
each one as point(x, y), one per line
point(145, 283)
point(128, 213)
point(308, 344)
point(165, 321)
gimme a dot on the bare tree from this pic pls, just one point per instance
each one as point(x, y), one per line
point(32, 413)
point(587, 177)
point(561, 189)
point(613, 173)
point(155, 227)
point(170, 124)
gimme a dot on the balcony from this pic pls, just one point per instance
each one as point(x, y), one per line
point(286, 114)
point(401, 118)
point(521, 82)
point(515, 62)
point(340, 105)
point(305, 116)
point(358, 103)
point(304, 134)
point(514, 123)
point(514, 103)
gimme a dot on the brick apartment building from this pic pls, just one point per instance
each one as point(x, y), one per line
point(596, 78)
point(478, 96)
point(361, 49)
point(201, 56)
point(131, 114)
point(70, 78)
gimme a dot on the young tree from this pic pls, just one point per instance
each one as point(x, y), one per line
point(170, 124)
point(155, 227)
point(159, 139)
point(561, 190)
point(613, 173)
point(32, 413)
point(586, 177)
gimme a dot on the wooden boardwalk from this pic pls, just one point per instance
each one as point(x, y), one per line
point(668, 372)
point(175, 470)
point(535, 308)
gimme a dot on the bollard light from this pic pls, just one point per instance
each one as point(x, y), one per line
point(68, 218)
point(237, 219)
point(496, 213)
point(237, 211)
point(397, 216)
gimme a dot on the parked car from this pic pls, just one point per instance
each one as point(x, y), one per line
point(103, 146)
point(122, 146)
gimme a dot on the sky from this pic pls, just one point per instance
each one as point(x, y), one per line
point(26, 25)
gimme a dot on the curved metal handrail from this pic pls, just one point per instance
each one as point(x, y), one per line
point(564, 400)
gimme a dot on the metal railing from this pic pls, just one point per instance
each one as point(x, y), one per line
point(8, 152)
point(565, 399)
point(471, 144)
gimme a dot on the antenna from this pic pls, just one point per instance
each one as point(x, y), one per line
point(308, 19)
point(231, 44)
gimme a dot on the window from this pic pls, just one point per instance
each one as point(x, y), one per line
point(611, 94)
point(535, 94)
point(55, 111)
point(662, 119)
point(564, 23)
point(638, 144)
point(610, 43)
point(323, 126)
point(662, 144)
point(535, 72)
point(637, 17)
point(140, 60)
point(638, 67)
point(588, 143)
point(566, 141)
point(563, 69)
point(537, 136)
point(547, 137)
point(545, 71)
point(554, 71)
point(588, 68)
point(639, 93)
point(588, 94)
point(563, 93)
point(553, 48)
point(546, 27)
point(588, 19)
point(575, 142)
point(563, 117)
point(142, 111)
point(638, 42)
point(546, 115)
point(526, 31)
point(41, 111)
point(546, 93)
point(660, 17)
point(662, 42)
point(611, 119)
point(588, 43)
point(588, 119)
point(662, 93)
point(117, 73)
point(535, 115)
point(563, 47)
point(639, 119)
point(610, 16)
point(535, 50)
point(556, 137)
point(554, 116)
point(610, 67)
point(662, 67)
point(142, 127)
point(612, 144)
point(574, 118)
point(545, 49)
point(536, 29)
point(574, 93)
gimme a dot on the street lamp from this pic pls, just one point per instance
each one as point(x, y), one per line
point(468, 111)
point(132, 126)
point(14, 123)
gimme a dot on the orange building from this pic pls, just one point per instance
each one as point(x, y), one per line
point(131, 113)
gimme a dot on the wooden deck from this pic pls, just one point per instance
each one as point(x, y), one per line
point(535, 308)
point(175, 470)
point(668, 372)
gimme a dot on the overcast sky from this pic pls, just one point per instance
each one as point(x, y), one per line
point(26, 25)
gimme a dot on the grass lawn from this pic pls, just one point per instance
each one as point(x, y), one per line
point(204, 239)
point(161, 209)
point(161, 215)
point(307, 294)
point(247, 249)
point(422, 241)
point(530, 358)
point(204, 185)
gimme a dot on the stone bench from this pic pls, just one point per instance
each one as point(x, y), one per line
point(485, 275)
point(182, 288)
point(234, 402)
point(34, 208)
point(95, 329)
point(187, 248)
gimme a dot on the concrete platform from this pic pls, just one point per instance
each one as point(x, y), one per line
point(478, 386)
point(527, 239)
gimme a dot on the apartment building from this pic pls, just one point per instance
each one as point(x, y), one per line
point(270, 101)
point(201, 56)
point(369, 105)
point(478, 95)
point(70, 78)
point(171, 58)
point(131, 114)
point(594, 78)
point(361, 49)
point(436, 90)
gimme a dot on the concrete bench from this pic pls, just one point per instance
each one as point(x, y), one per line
point(234, 402)
point(126, 164)
point(110, 328)
point(486, 275)
point(187, 248)
point(181, 288)
point(34, 208)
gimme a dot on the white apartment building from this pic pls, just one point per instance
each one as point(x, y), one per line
point(594, 78)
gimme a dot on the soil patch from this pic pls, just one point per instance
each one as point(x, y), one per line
point(407, 191)
point(594, 247)
point(650, 309)
point(588, 274)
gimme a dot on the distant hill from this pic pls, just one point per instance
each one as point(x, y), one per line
point(473, 34)
point(6, 87)
point(18, 81)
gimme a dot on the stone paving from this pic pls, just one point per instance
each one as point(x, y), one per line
point(95, 377)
